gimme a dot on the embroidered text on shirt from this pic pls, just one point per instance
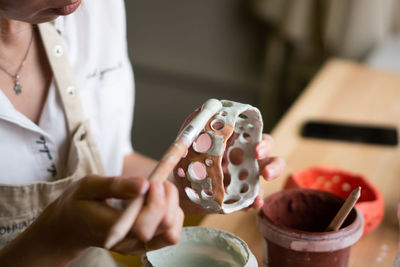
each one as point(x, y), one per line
point(101, 73)
point(45, 149)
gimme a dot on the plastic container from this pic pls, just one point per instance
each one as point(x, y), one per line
point(293, 224)
point(341, 182)
point(202, 246)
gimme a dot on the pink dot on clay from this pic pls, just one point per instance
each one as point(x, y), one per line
point(199, 170)
point(202, 143)
point(181, 173)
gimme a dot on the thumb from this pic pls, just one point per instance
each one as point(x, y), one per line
point(95, 187)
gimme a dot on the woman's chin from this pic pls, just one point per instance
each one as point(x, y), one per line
point(68, 9)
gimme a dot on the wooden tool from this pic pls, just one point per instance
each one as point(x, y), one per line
point(163, 169)
point(344, 210)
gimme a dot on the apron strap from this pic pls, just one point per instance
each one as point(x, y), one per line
point(68, 91)
point(63, 75)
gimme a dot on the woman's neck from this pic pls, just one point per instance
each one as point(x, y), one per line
point(13, 30)
point(14, 39)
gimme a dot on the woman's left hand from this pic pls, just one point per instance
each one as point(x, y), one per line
point(270, 167)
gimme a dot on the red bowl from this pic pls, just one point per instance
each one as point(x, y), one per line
point(342, 182)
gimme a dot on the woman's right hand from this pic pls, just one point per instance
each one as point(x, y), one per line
point(82, 217)
point(82, 211)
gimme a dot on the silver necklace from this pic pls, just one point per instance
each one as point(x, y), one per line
point(16, 77)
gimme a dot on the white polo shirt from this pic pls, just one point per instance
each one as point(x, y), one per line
point(95, 41)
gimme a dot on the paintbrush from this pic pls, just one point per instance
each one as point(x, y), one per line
point(344, 211)
point(164, 167)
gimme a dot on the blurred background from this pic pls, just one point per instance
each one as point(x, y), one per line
point(260, 52)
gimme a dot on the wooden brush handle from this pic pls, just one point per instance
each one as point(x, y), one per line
point(160, 173)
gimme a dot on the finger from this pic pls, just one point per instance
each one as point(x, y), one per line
point(168, 238)
point(130, 246)
point(151, 214)
point(134, 247)
point(97, 219)
point(259, 201)
point(173, 213)
point(263, 148)
point(271, 168)
point(95, 187)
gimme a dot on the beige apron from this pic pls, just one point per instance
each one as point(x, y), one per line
point(21, 205)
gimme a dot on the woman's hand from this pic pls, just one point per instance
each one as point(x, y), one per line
point(82, 217)
point(159, 223)
point(84, 212)
point(270, 167)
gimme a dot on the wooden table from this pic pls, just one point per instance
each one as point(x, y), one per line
point(346, 92)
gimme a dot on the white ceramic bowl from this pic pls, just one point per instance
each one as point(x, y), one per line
point(202, 246)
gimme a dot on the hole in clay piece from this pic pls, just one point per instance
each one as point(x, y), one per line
point(208, 192)
point(227, 104)
point(243, 175)
point(236, 156)
point(223, 113)
point(227, 180)
point(181, 173)
point(202, 143)
point(217, 125)
point(199, 170)
point(209, 162)
point(346, 187)
point(320, 179)
point(244, 188)
point(231, 201)
point(246, 137)
point(242, 116)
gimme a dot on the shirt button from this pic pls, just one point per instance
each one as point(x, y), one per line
point(83, 136)
point(58, 50)
point(71, 90)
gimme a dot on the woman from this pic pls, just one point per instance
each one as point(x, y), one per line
point(52, 208)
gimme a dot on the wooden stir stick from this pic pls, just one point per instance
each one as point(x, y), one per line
point(344, 210)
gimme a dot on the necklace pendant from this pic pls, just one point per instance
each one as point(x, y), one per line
point(17, 86)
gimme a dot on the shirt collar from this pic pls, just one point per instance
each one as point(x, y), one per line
point(12, 115)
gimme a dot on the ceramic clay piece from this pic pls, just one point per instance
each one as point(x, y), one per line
point(220, 167)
